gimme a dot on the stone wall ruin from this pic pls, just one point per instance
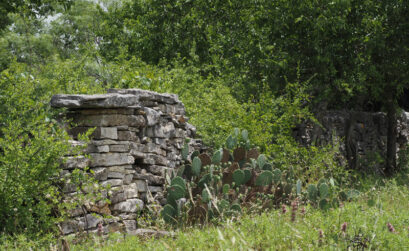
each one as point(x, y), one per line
point(138, 138)
point(361, 136)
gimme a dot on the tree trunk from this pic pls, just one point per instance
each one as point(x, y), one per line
point(392, 136)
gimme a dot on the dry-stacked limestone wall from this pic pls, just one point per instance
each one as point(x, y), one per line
point(137, 139)
point(360, 135)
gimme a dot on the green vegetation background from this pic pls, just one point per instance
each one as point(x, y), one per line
point(258, 65)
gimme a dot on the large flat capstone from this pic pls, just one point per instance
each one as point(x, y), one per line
point(94, 101)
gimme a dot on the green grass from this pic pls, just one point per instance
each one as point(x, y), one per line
point(274, 231)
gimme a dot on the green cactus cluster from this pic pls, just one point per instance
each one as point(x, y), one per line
point(220, 184)
point(324, 194)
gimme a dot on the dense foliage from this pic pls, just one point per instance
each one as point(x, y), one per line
point(256, 65)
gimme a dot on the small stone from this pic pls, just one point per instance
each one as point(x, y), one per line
point(127, 216)
point(111, 159)
point(129, 206)
point(131, 191)
point(128, 179)
point(158, 170)
point(108, 142)
point(68, 227)
point(130, 225)
point(90, 221)
point(112, 182)
point(116, 175)
point(118, 197)
point(106, 133)
point(152, 116)
point(76, 162)
point(97, 149)
point(100, 173)
point(141, 185)
point(119, 148)
point(155, 189)
point(101, 209)
point(127, 135)
point(154, 159)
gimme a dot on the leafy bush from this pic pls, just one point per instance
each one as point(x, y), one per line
point(32, 148)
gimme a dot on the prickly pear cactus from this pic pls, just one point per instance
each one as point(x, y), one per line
point(264, 179)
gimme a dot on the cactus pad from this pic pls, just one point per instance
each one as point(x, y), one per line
point(247, 175)
point(178, 181)
point(168, 214)
point(264, 179)
point(185, 151)
point(261, 161)
point(324, 205)
point(176, 192)
point(217, 157)
point(298, 187)
point(324, 190)
point(196, 166)
point(312, 192)
point(238, 177)
point(276, 176)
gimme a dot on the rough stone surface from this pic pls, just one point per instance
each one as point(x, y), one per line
point(137, 140)
point(94, 101)
point(361, 135)
point(111, 159)
point(129, 206)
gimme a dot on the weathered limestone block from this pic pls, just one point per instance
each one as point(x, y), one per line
point(97, 149)
point(154, 159)
point(107, 120)
point(110, 159)
point(155, 189)
point(141, 185)
point(129, 206)
point(119, 148)
point(99, 111)
point(128, 216)
point(76, 162)
point(158, 170)
point(131, 191)
point(145, 95)
point(108, 142)
point(100, 173)
point(118, 197)
point(89, 221)
point(94, 101)
point(128, 179)
point(127, 135)
point(69, 227)
point(151, 179)
point(161, 131)
point(130, 225)
point(152, 116)
point(148, 148)
point(112, 182)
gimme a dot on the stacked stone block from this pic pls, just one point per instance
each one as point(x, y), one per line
point(137, 139)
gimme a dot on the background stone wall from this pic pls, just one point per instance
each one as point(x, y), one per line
point(361, 136)
point(138, 139)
